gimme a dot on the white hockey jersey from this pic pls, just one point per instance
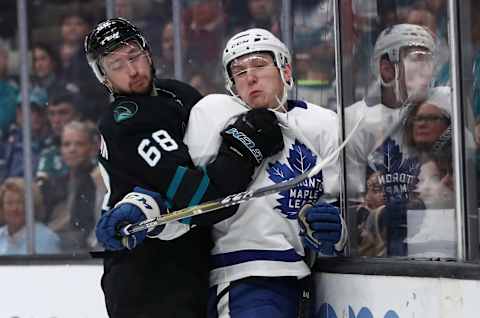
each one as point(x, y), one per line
point(262, 238)
point(378, 144)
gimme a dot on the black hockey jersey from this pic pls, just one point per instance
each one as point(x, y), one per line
point(142, 145)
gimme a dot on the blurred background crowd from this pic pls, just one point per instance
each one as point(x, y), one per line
point(66, 99)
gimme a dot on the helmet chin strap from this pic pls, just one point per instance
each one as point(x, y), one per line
point(395, 83)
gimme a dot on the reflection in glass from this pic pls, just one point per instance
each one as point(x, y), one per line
point(399, 162)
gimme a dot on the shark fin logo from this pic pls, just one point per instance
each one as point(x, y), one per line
point(125, 110)
point(299, 160)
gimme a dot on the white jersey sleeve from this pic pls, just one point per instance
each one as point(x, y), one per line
point(207, 119)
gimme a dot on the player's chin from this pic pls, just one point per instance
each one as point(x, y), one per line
point(141, 87)
point(258, 103)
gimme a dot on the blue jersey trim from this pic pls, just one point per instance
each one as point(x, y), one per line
point(292, 103)
point(233, 258)
point(175, 183)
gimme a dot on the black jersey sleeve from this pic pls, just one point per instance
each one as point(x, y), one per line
point(143, 142)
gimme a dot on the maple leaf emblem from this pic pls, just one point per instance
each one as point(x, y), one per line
point(299, 160)
point(399, 176)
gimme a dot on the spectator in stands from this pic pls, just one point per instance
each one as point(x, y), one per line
point(8, 94)
point(165, 59)
point(428, 124)
point(204, 25)
point(264, 15)
point(61, 109)
point(429, 134)
point(371, 228)
point(74, 28)
point(124, 9)
point(73, 213)
point(13, 146)
point(75, 71)
point(45, 67)
point(13, 235)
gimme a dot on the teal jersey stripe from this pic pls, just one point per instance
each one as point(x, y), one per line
point(201, 189)
point(175, 183)
point(197, 197)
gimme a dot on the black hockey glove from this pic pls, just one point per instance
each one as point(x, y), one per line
point(254, 136)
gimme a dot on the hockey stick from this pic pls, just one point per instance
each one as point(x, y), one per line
point(237, 198)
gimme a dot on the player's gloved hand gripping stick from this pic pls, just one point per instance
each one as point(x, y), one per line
point(238, 198)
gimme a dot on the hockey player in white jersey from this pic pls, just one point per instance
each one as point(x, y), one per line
point(257, 259)
point(404, 64)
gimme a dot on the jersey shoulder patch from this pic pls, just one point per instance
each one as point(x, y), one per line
point(124, 110)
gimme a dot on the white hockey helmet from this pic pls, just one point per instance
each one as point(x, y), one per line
point(393, 38)
point(250, 41)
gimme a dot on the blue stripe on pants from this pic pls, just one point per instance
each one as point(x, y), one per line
point(257, 297)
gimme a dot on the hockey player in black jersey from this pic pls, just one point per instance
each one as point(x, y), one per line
point(142, 146)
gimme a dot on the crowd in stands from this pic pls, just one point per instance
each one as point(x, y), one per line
point(66, 101)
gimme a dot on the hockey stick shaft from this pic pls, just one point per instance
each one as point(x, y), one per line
point(237, 198)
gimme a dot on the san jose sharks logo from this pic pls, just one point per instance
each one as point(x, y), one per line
point(398, 175)
point(299, 160)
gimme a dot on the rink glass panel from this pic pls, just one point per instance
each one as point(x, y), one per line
point(400, 185)
point(423, 223)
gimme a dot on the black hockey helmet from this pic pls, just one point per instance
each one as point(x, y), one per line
point(106, 37)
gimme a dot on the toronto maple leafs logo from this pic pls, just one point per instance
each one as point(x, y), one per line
point(299, 160)
point(399, 175)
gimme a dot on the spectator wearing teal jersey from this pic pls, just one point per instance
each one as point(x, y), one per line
point(12, 148)
point(8, 94)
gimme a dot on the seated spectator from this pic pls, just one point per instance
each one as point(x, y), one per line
point(429, 134)
point(435, 185)
point(371, 229)
point(8, 94)
point(74, 28)
point(13, 235)
point(13, 146)
point(165, 57)
point(73, 196)
point(61, 109)
point(45, 67)
point(124, 9)
point(428, 124)
point(262, 14)
point(204, 25)
point(75, 72)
